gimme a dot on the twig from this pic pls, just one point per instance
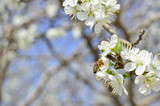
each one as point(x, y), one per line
point(43, 81)
point(112, 31)
point(141, 33)
point(146, 23)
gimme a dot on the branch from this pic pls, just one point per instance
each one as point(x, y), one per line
point(112, 31)
point(141, 33)
point(147, 100)
point(146, 23)
point(43, 81)
point(92, 49)
point(130, 92)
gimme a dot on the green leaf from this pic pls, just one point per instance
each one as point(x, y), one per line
point(125, 75)
point(117, 48)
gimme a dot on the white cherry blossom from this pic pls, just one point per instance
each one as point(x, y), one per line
point(71, 3)
point(154, 66)
point(139, 62)
point(107, 47)
point(95, 13)
point(147, 83)
point(128, 52)
point(117, 83)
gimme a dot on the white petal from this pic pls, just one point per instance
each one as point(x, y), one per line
point(135, 50)
point(114, 40)
point(148, 91)
point(144, 90)
point(104, 68)
point(139, 79)
point(115, 8)
point(71, 3)
point(104, 45)
point(90, 21)
point(82, 16)
point(130, 66)
point(119, 90)
point(105, 52)
point(98, 28)
point(105, 60)
point(100, 74)
point(156, 87)
point(150, 68)
point(140, 70)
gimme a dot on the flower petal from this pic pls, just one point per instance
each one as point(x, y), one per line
point(100, 74)
point(98, 28)
point(105, 61)
point(104, 68)
point(140, 70)
point(139, 79)
point(114, 40)
point(82, 16)
point(144, 90)
point(90, 21)
point(130, 66)
point(156, 87)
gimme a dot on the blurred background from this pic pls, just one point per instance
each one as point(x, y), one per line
point(45, 57)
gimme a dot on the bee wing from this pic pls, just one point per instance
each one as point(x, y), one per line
point(92, 64)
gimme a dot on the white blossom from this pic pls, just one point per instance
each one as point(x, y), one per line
point(107, 47)
point(147, 83)
point(94, 12)
point(71, 3)
point(128, 52)
point(117, 83)
point(139, 62)
point(154, 66)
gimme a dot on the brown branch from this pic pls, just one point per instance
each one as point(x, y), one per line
point(112, 31)
point(46, 76)
point(147, 100)
point(126, 5)
point(92, 49)
point(130, 92)
point(141, 33)
point(43, 81)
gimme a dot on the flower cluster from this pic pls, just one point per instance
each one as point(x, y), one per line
point(94, 13)
point(137, 62)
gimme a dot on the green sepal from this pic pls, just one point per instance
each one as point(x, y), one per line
point(110, 72)
point(117, 48)
point(102, 50)
point(110, 63)
point(123, 81)
point(125, 75)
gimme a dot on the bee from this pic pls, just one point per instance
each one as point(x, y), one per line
point(97, 65)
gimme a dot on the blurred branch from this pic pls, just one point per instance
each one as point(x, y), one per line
point(89, 43)
point(147, 100)
point(46, 76)
point(43, 81)
point(130, 92)
point(146, 23)
point(126, 5)
point(112, 31)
